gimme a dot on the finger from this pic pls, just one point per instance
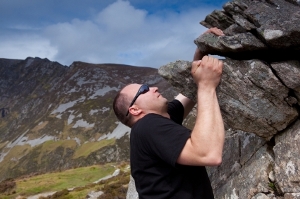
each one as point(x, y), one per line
point(205, 58)
point(212, 60)
point(220, 64)
point(195, 65)
point(217, 31)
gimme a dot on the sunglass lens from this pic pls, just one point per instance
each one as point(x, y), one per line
point(144, 89)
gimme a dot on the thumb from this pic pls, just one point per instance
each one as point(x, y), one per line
point(195, 65)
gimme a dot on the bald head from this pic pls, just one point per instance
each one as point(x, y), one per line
point(122, 101)
point(144, 100)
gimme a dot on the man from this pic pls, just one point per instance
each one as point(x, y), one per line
point(167, 159)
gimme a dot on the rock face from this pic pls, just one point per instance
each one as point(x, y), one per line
point(259, 96)
point(287, 150)
point(251, 97)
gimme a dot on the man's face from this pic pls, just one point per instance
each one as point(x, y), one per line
point(151, 101)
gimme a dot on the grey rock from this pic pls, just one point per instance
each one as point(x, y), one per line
point(287, 162)
point(239, 150)
point(131, 192)
point(251, 97)
point(94, 194)
point(275, 23)
point(178, 75)
point(272, 176)
point(289, 73)
point(292, 196)
point(236, 46)
point(249, 180)
point(260, 196)
point(218, 19)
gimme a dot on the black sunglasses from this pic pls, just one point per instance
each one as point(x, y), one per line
point(143, 89)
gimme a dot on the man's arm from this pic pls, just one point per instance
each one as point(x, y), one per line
point(205, 145)
point(198, 55)
point(186, 103)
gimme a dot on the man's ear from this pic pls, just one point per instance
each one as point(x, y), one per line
point(135, 110)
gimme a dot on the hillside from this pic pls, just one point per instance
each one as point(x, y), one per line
point(97, 181)
point(55, 117)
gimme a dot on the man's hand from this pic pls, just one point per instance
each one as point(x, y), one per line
point(207, 72)
point(198, 54)
point(215, 31)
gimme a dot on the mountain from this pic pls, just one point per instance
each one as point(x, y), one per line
point(55, 117)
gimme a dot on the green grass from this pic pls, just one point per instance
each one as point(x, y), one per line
point(87, 148)
point(80, 178)
point(50, 146)
point(67, 179)
point(16, 152)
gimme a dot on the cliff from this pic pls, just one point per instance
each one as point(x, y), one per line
point(259, 96)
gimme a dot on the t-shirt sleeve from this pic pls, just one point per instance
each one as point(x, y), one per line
point(176, 111)
point(162, 138)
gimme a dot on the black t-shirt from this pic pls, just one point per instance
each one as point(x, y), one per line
point(155, 145)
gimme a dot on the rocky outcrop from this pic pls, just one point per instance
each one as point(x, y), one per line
point(269, 29)
point(252, 97)
point(259, 96)
point(131, 192)
point(287, 150)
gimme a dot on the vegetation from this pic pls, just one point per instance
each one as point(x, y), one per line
point(7, 186)
point(275, 189)
point(87, 148)
point(69, 184)
point(117, 188)
point(13, 154)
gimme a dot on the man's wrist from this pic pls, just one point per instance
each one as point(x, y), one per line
point(205, 89)
point(199, 54)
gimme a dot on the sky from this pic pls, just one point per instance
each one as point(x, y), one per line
point(148, 33)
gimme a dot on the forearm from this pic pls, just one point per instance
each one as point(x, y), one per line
point(207, 137)
point(186, 103)
point(198, 55)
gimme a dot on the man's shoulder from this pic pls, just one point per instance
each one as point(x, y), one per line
point(175, 103)
point(150, 118)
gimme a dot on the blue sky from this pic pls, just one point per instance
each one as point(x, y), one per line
point(135, 32)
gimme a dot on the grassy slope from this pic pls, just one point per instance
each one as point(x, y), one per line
point(81, 179)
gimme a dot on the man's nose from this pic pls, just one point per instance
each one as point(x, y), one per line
point(154, 89)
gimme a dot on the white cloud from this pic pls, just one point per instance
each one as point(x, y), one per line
point(122, 17)
point(23, 46)
point(120, 33)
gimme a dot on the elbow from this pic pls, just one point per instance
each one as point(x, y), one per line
point(215, 161)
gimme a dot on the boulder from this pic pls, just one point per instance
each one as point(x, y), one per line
point(252, 98)
point(287, 162)
point(255, 29)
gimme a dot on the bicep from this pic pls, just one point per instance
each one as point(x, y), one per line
point(194, 157)
point(188, 156)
